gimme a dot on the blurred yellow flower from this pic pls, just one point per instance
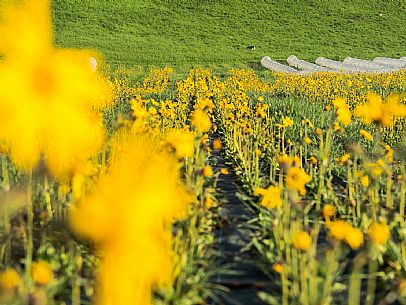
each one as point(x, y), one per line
point(224, 171)
point(354, 238)
point(208, 202)
point(343, 159)
point(129, 216)
point(342, 230)
point(204, 139)
point(388, 154)
point(307, 140)
point(296, 179)
point(183, 142)
point(286, 161)
point(318, 132)
point(329, 211)
point(207, 171)
point(9, 280)
point(201, 121)
point(338, 229)
point(41, 272)
point(46, 94)
point(271, 197)
point(302, 241)
point(278, 267)
point(217, 144)
point(343, 111)
point(364, 180)
point(138, 109)
point(375, 111)
point(375, 169)
point(379, 233)
point(287, 121)
point(366, 135)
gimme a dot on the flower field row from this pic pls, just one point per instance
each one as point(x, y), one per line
point(109, 194)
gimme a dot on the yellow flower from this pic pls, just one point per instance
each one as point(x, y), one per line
point(271, 197)
point(354, 238)
point(379, 233)
point(129, 215)
point(313, 160)
point(217, 144)
point(287, 121)
point(183, 142)
point(41, 273)
point(9, 280)
point(296, 179)
point(286, 161)
point(338, 229)
point(364, 180)
point(302, 241)
point(309, 123)
point(204, 139)
point(224, 171)
point(343, 111)
point(342, 230)
point(375, 169)
point(207, 171)
point(337, 128)
point(278, 267)
point(329, 211)
point(208, 202)
point(138, 109)
point(378, 112)
point(307, 140)
point(343, 159)
point(366, 135)
point(46, 94)
point(388, 154)
point(201, 121)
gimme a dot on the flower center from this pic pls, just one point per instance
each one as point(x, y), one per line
point(43, 80)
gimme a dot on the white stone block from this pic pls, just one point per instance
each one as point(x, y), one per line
point(293, 61)
point(398, 63)
point(272, 65)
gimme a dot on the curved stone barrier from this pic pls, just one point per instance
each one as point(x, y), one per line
point(369, 64)
point(293, 61)
point(398, 63)
point(338, 65)
point(272, 65)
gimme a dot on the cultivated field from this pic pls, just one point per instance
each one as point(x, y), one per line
point(121, 187)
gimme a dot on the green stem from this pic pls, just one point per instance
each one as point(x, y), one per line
point(372, 268)
point(332, 266)
point(354, 292)
point(76, 280)
point(304, 285)
point(402, 192)
point(30, 222)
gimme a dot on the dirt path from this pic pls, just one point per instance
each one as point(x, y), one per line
point(244, 279)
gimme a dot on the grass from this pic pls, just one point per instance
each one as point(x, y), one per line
point(184, 33)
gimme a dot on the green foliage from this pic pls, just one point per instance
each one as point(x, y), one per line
point(189, 32)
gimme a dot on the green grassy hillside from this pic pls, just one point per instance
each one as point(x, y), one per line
point(182, 33)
